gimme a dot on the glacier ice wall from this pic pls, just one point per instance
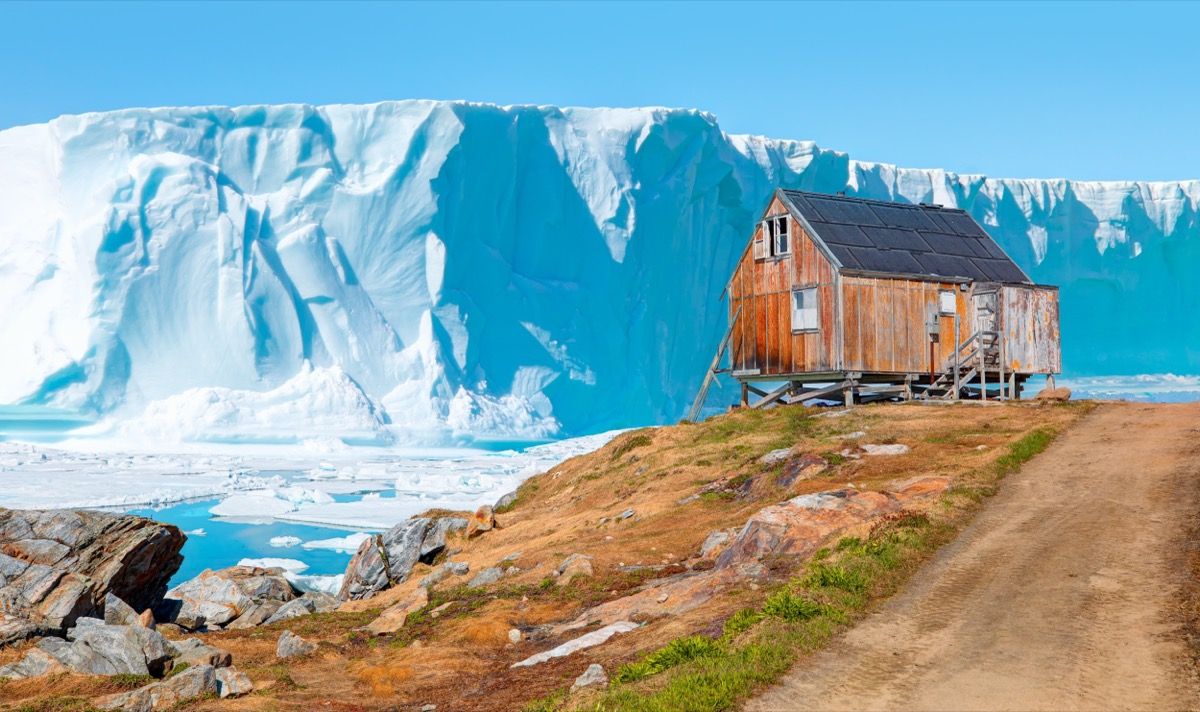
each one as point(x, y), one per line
point(466, 268)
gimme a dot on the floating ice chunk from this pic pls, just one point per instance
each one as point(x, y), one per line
point(197, 532)
point(284, 542)
point(257, 505)
point(330, 584)
point(347, 544)
point(288, 565)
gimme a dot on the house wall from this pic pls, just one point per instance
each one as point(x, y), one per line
point(762, 338)
point(1029, 329)
point(884, 324)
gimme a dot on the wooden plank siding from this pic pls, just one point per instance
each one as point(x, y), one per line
point(763, 339)
point(1029, 328)
point(884, 324)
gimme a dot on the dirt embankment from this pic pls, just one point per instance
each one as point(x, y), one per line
point(641, 508)
point(1071, 590)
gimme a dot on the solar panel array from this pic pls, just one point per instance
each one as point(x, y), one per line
point(876, 236)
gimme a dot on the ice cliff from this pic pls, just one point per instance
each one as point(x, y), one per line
point(420, 269)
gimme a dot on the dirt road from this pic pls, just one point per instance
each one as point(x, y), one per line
point(1066, 593)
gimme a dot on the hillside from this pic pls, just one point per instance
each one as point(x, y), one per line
point(643, 508)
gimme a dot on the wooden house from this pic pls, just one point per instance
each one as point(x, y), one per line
point(872, 300)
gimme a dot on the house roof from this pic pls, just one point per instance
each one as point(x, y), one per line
point(900, 238)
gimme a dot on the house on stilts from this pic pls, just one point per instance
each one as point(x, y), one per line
point(854, 300)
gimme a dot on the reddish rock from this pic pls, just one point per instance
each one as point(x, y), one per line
point(1054, 394)
point(58, 565)
point(483, 520)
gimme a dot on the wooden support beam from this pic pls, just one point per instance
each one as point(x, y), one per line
point(807, 394)
point(770, 398)
point(702, 394)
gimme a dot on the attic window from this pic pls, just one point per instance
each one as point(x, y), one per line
point(805, 316)
point(773, 239)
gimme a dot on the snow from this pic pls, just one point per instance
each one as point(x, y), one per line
point(258, 487)
point(338, 276)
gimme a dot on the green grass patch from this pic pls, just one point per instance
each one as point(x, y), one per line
point(630, 442)
point(838, 585)
point(677, 652)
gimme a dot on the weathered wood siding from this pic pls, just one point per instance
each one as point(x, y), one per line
point(763, 338)
point(1029, 329)
point(884, 324)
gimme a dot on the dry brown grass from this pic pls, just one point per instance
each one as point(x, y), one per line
point(383, 680)
point(460, 661)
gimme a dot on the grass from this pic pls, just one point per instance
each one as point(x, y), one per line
point(836, 588)
point(677, 652)
point(629, 442)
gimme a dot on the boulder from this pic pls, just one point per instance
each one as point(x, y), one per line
point(393, 617)
point(291, 645)
point(387, 559)
point(504, 502)
point(118, 612)
point(94, 648)
point(256, 616)
point(486, 577)
point(193, 652)
point(435, 539)
point(715, 543)
point(222, 597)
point(573, 566)
point(890, 449)
point(801, 525)
point(484, 520)
point(593, 676)
point(191, 684)
point(58, 565)
point(13, 629)
point(232, 683)
point(293, 609)
point(1053, 394)
point(776, 456)
point(35, 663)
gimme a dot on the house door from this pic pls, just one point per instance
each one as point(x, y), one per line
point(986, 305)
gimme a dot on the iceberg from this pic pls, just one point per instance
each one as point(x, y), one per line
point(434, 272)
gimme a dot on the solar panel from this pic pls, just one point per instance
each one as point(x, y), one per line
point(893, 239)
point(908, 218)
point(842, 234)
point(949, 244)
point(876, 236)
point(844, 211)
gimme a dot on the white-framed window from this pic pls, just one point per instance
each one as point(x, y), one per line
point(805, 314)
point(773, 239)
point(947, 304)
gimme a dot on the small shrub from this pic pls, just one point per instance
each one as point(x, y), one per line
point(677, 652)
point(833, 458)
point(630, 442)
point(824, 575)
point(792, 607)
point(741, 622)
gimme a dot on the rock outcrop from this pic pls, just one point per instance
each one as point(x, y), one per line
point(191, 684)
point(387, 559)
point(57, 566)
point(239, 597)
point(94, 648)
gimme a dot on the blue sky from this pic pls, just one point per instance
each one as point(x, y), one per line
point(1018, 89)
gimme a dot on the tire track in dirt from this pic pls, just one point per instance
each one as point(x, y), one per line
point(1066, 593)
